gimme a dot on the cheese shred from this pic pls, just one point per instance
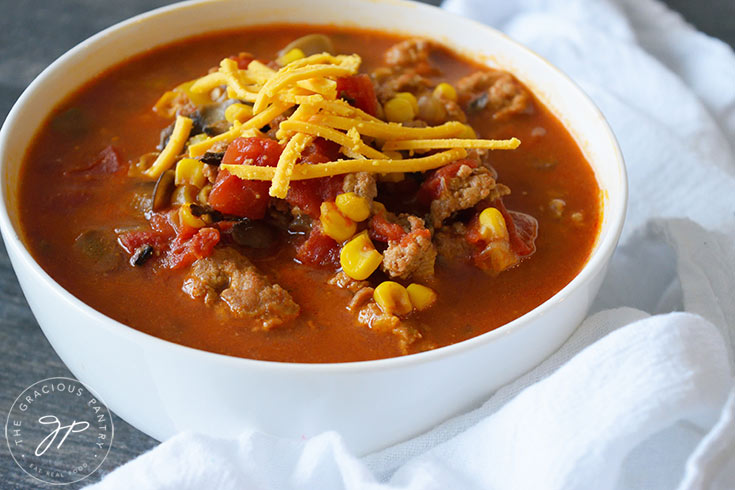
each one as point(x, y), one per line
point(433, 144)
point(301, 99)
point(284, 169)
point(173, 148)
point(339, 167)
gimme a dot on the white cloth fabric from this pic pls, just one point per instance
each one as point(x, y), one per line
point(640, 396)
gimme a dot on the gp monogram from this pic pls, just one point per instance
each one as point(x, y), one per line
point(59, 448)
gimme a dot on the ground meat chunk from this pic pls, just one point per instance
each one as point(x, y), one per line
point(451, 244)
point(360, 298)
point(343, 281)
point(228, 278)
point(413, 255)
point(409, 52)
point(496, 90)
point(376, 319)
point(463, 191)
point(454, 111)
point(459, 242)
point(389, 82)
point(483, 157)
point(361, 183)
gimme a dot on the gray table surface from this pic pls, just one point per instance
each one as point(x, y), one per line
point(32, 35)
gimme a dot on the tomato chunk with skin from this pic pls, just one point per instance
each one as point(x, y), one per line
point(358, 90)
point(158, 236)
point(318, 249)
point(308, 195)
point(248, 198)
point(381, 230)
point(191, 244)
point(522, 229)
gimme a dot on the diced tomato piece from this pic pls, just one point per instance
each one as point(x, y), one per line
point(308, 195)
point(191, 244)
point(318, 249)
point(161, 223)
point(382, 230)
point(263, 152)
point(157, 237)
point(249, 198)
point(202, 244)
point(358, 90)
point(107, 162)
point(522, 229)
point(232, 195)
point(132, 240)
point(432, 187)
point(473, 234)
point(320, 151)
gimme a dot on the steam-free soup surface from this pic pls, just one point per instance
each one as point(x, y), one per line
point(72, 210)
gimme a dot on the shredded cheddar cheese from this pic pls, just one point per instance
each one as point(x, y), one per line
point(322, 86)
point(291, 73)
point(237, 131)
point(339, 167)
point(173, 148)
point(302, 95)
point(236, 82)
point(284, 169)
point(355, 146)
point(432, 144)
point(391, 131)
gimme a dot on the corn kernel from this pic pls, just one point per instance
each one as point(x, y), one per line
point(197, 138)
point(359, 258)
point(183, 194)
point(355, 207)
point(335, 224)
point(492, 225)
point(238, 112)
point(467, 133)
point(411, 98)
point(392, 298)
point(190, 172)
point(292, 55)
point(188, 219)
point(445, 91)
point(399, 109)
point(195, 98)
point(203, 196)
point(421, 296)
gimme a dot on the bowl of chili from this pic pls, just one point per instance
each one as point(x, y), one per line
point(140, 344)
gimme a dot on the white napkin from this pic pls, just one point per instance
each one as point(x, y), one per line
point(631, 400)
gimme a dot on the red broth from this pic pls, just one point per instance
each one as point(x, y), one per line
point(114, 108)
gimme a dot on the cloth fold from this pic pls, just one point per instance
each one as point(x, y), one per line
point(642, 395)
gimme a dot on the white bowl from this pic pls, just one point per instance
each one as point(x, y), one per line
point(163, 388)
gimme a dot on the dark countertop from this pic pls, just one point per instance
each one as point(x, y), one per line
point(32, 35)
